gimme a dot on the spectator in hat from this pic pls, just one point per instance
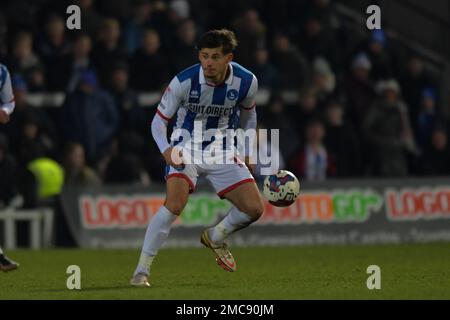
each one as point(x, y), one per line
point(90, 117)
point(413, 80)
point(324, 79)
point(427, 117)
point(388, 131)
point(168, 16)
point(178, 10)
point(380, 56)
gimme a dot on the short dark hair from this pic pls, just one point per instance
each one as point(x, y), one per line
point(218, 38)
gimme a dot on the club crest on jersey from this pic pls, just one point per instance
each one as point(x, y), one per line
point(232, 94)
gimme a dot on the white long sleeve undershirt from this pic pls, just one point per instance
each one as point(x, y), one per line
point(159, 132)
point(248, 118)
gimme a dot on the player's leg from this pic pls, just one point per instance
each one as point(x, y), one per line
point(235, 183)
point(247, 207)
point(7, 264)
point(178, 189)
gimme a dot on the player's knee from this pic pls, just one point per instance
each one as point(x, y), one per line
point(259, 210)
point(175, 206)
point(255, 210)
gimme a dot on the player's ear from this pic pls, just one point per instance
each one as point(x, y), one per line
point(230, 56)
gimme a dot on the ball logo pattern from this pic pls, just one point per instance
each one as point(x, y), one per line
point(281, 189)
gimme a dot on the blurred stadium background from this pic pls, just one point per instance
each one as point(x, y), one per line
point(363, 118)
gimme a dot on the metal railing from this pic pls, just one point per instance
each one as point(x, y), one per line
point(40, 231)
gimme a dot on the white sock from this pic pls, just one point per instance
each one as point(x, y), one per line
point(144, 264)
point(1, 251)
point(233, 221)
point(157, 232)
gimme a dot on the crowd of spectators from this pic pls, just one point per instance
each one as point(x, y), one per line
point(364, 109)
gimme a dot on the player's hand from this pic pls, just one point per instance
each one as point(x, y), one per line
point(250, 165)
point(174, 157)
point(4, 117)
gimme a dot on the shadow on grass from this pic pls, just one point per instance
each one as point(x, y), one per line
point(192, 285)
point(84, 289)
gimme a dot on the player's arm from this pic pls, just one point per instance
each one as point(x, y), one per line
point(166, 109)
point(248, 119)
point(6, 97)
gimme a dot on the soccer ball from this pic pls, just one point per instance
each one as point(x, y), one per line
point(281, 189)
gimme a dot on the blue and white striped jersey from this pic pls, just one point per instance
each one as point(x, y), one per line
point(197, 103)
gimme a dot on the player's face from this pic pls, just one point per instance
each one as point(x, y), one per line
point(214, 62)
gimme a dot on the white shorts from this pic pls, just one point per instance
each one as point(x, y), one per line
point(223, 177)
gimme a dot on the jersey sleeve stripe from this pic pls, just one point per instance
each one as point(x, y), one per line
point(249, 108)
point(161, 115)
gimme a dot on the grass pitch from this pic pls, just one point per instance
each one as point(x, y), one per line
point(324, 272)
